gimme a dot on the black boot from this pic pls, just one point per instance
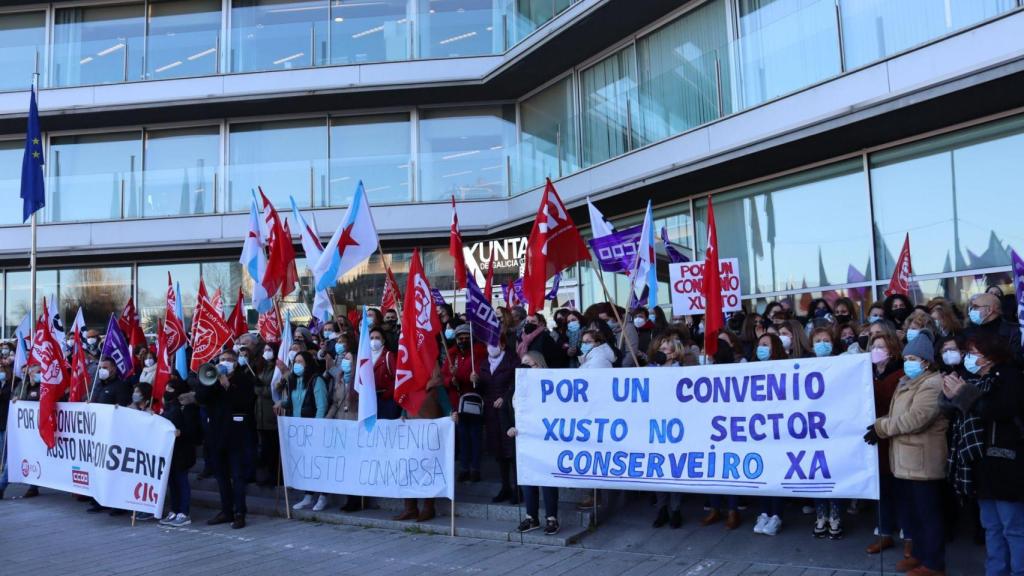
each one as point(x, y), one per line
point(504, 494)
point(662, 517)
point(677, 519)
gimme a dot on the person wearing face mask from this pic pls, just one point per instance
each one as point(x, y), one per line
point(536, 338)
point(769, 522)
point(917, 455)
point(848, 341)
point(794, 340)
point(945, 316)
point(181, 410)
point(573, 335)
point(345, 400)
point(494, 378)
point(644, 328)
point(109, 388)
point(595, 352)
point(919, 321)
point(229, 407)
point(844, 311)
point(29, 390)
point(141, 397)
point(985, 316)
point(887, 371)
point(266, 410)
point(828, 512)
point(533, 494)
point(457, 376)
point(306, 397)
point(148, 373)
point(987, 446)
point(383, 375)
point(897, 309)
point(6, 395)
point(951, 356)
point(390, 329)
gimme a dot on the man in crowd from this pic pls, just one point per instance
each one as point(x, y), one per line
point(986, 316)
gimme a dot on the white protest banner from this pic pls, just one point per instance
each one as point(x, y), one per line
point(686, 280)
point(396, 459)
point(783, 428)
point(120, 457)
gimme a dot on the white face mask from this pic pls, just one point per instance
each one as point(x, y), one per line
point(268, 355)
point(103, 373)
point(639, 322)
point(787, 341)
point(291, 355)
point(951, 357)
point(376, 345)
point(493, 351)
point(149, 362)
point(90, 341)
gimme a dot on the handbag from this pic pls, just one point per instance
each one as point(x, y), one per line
point(471, 403)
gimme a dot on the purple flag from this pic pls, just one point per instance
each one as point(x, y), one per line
point(553, 294)
point(482, 320)
point(115, 347)
point(674, 255)
point(616, 252)
point(438, 297)
point(1018, 284)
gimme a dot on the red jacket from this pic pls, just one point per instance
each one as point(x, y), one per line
point(459, 383)
point(384, 375)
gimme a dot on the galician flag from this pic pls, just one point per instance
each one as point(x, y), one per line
point(254, 259)
point(313, 248)
point(646, 262)
point(364, 383)
point(352, 243)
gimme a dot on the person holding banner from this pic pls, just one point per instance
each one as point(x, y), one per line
point(109, 388)
point(181, 410)
point(384, 360)
point(532, 494)
point(769, 522)
point(887, 370)
point(306, 397)
point(917, 430)
point(6, 393)
point(268, 446)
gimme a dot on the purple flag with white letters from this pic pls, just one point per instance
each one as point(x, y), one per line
point(482, 319)
point(438, 297)
point(1018, 284)
point(115, 347)
point(553, 293)
point(674, 255)
point(616, 252)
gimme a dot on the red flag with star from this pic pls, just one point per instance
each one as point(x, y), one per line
point(711, 288)
point(455, 250)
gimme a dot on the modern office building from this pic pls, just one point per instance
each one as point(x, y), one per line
point(826, 130)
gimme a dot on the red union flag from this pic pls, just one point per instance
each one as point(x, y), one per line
point(79, 369)
point(711, 287)
point(130, 327)
point(417, 346)
point(163, 371)
point(174, 327)
point(236, 322)
point(209, 334)
point(392, 294)
point(269, 326)
point(46, 352)
point(455, 249)
point(900, 283)
point(554, 245)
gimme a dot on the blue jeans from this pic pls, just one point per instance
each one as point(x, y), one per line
point(3, 463)
point(1004, 537)
point(471, 434)
point(724, 502)
point(772, 505)
point(180, 492)
point(530, 496)
point(919, 503)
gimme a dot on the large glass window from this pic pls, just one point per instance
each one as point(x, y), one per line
point(18, 296)
point(684, 73)
point(183, 38)
point(370, 31)
point(532, 14)
point(98, 44)
point(22, 40)
point(152, 288)
point(610, 111)
point(450, 28)
point(372, 148)
point(278, 34)
point(548, 139)
point(781, 228)
point(180, 175)
point(784, 45)
point(99, 292)
point(285, 158)
point(11, 154)
point(465, 153)
point(972, 184)
point(874, 29)
point(89, 173)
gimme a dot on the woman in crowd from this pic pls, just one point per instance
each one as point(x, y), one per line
point(876, 312)
point(918, 321)
point(181, 409)
point(769, 522)
point(752, 329)
point(828, 512)
point(384, 361)
point(344, 400)
point(887, 372)
point(268, 445)
point(659, 319)
point(794, 340)
point(945, 316)
point(986, 456)
point(669, 504)
point(595, 351)
point(574, 333)
point(897, 309)
point(306, 397)
point(844, 311)
point(917, 455)
point(494, 378)
point(644, 329)
point(848, 340)
point(532, 494)
point(775, 314)
point(951, 356)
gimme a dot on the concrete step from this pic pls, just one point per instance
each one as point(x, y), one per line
point(502, 530)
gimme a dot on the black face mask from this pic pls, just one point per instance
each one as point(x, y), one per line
point(842, 318)
point(658, 358)
point(724, 353)
point(463, 345)
point(863, 342)
point(900, 315)
point(529, 328)
point(849, 340)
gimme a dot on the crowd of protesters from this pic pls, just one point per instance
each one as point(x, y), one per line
point(948, 395)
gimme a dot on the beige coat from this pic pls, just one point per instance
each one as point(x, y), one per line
point(344, 405)
point(917, 429)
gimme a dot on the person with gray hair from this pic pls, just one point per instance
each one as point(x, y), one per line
point(986, 317)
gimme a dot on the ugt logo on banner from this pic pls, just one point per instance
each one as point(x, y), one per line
point(687, 279)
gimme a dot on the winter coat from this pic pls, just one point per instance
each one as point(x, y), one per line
point(916, 428)
point(599, 357)
point(344, 399)
point(186, 420)
point(885, 386)
point(493, 386)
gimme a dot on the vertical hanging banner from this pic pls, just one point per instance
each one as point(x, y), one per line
point(783, 428)
point(120, 457)
point(686, 279)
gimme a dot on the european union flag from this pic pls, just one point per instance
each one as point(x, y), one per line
point(33, 195)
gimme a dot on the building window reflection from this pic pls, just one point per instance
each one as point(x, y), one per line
point(181, 172)
point(278, 34)
point(373, 148)
point(377, 31)
point(22, 48)
point(11, 153)
point(465, 153)
point(285, 158)
point(98, 44)
point(548, 138)
point(183, 38)
point(91, 175)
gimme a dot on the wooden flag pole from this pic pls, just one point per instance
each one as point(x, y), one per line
point(615, 311)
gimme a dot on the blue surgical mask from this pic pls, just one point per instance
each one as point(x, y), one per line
point(346, 365)
point(912, 368)
point(822, 349)
point(574, 326)
point(975, 316)
point(298, 369)
point(613, 325)
point(874, 318)
point(339, 348)
point(449, 334)
point(764, 352)
point(328, 335)
point(912, 333)
point(971, 363)
point(586, 347)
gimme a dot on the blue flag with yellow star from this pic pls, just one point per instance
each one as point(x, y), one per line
point(33, 195)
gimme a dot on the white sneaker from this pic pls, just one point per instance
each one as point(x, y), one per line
point(321, 503)
point(759, 525)
point(772, 526)
point(180, 520)
point(168, 519)
point(306, 502)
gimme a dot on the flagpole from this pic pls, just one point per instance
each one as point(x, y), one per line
point(615, 311)
point(387, 267)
